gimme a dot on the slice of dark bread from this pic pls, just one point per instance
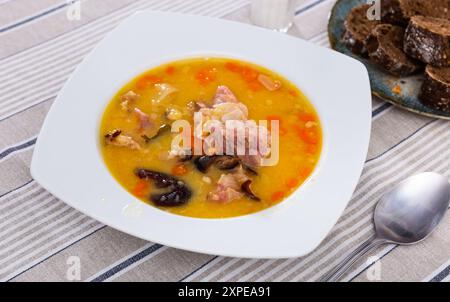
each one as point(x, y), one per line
point(391, 12)
point(428, 39)
point(399, 12)
point(357, 28)
point(436, 88)
point(385, 48)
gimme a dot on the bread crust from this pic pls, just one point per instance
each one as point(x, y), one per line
point(357, 28)
point(435, 90)
point(399, 12)
point(426, 43)
point(385, 47)
point(392, 13)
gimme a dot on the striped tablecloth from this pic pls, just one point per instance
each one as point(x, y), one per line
point(41, 238)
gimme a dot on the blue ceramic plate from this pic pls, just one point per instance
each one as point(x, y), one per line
point(402, 92)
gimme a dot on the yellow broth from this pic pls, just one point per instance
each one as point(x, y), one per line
point(198, 79)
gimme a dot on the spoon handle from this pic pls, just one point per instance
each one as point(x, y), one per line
point(347, 263)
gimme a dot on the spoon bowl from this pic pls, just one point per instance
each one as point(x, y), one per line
point(412, 210)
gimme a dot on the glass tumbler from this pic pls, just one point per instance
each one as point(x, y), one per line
point(273, 14)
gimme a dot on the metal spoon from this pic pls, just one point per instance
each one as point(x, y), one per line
point(405, 215)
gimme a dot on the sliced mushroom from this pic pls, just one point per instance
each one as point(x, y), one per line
point(177, 197)
point(185, 158)
point(248, 190)
point(222, 162)
point(113, 134)
point(178, 193)
point(161, 180)
point(162, 129)
point(204, 162)
point(227, 162)
point(249, 169)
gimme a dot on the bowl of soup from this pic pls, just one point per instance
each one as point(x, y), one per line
point(208, 143)
point(136, 137)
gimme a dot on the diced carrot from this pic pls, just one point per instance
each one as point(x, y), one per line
point(309, 136)
point(311, 149)
point(179, 170)
point(306, 117)
point(274, 117)
point(155, 79)
point(233, 67)
point(293, 92)
point(292, 183)
point(255, 86)
point(305, 172)
point(282, 131)
point(141, 83)
point(249, 74)
point(170, 70)
point(141, 187)
point(206, 76)
point(147, 80)
point(277, 196)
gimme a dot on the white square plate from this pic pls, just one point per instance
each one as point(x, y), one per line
point(67, 160)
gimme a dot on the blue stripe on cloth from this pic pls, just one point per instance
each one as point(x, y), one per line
point(35, 17)
point(13, 149)
point(15, 189)
point(199, 268)
point(121, 266)
point(380, 109)
point(303, 9)
point(442, 275)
